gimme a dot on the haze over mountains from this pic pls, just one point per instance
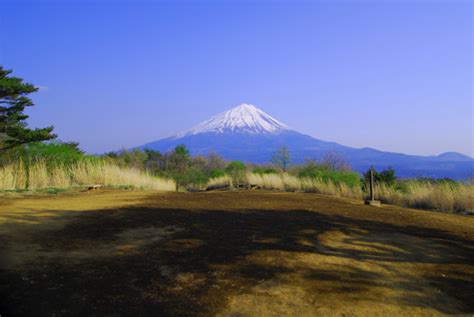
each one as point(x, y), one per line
point(249, 134)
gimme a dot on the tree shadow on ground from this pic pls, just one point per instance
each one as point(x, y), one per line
point(205, 259)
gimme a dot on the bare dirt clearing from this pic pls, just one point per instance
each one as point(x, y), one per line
point(234, 253)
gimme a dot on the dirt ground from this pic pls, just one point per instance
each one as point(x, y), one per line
point(238, 253)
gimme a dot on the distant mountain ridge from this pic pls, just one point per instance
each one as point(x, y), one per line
point(249, 134)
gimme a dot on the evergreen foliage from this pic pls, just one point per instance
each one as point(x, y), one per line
point(13, 101)
point(386, 176)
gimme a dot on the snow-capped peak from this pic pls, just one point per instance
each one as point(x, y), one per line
point(243, 118)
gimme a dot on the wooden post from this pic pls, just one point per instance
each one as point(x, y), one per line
point(372, 200)
point(372, 196)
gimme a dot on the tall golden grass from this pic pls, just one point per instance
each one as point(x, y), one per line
point(331, 188)
point(287, 182)
point(19, 175)
point(221, 181)
point(433, 196)
point(450, 197)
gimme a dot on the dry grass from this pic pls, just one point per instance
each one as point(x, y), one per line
point(38, 175)
point(289, 182)
point(268, 181)
point(439, 196)
point(222, 181)
point(331, 188)
point(285, 181)
point(13, 176)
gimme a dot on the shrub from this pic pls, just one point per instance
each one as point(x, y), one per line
point(51, 153)
point(264, 170)
point(217, 172)
point(126, 158)
point(386, 176)
point(235, 167)
point(312, 170)
point(192, 177)
point(236, 171)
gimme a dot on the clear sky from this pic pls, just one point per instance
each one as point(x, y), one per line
point(393, 75)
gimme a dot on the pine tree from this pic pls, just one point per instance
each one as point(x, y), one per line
point(13, 128)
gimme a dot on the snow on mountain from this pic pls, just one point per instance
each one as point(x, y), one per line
point(243, 118)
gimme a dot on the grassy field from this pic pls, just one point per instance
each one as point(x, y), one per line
point(235, 253)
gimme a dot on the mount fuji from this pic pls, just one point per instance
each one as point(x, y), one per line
point(249, 134)
point(241, 119)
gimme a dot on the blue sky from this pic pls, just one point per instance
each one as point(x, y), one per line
point(393, 75)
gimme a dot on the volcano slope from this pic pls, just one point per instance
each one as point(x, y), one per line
point(237, 253)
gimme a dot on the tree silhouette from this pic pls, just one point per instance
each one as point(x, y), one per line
point(282, 158)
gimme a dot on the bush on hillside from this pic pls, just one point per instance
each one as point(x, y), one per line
point(386, 176)
point(217, 172)
point(126, 158)
point(236, 170)
point(264, 170)
point(311, 169)
point(50, 153)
